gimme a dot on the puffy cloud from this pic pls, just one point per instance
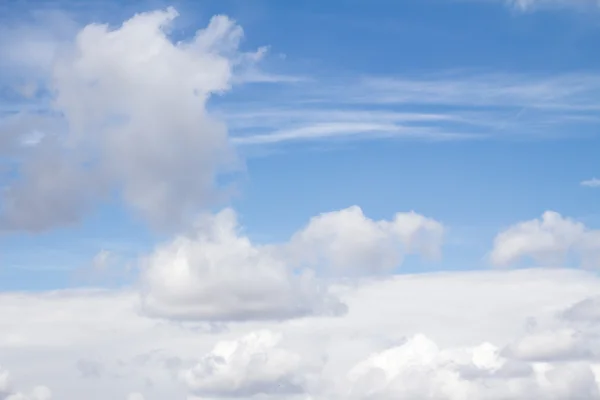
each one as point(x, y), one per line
point(219, 274)
point(420, 369)
point(346, 241)
point(255, 364)
point(548, 240)
point(135, 104)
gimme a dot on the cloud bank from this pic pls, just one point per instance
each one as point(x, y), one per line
point(402, 337)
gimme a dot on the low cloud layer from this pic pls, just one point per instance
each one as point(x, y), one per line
point(539, 342)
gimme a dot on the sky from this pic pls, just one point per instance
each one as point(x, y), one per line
point(303, 200)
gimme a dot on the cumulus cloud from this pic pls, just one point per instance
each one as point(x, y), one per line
point(255, 364)
point(419, 368)
point(219, 274)
point(135, 104)
point(347, 242)
point(549, 240)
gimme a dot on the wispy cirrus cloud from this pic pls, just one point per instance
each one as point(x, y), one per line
point(530, 5)
point(458, 106)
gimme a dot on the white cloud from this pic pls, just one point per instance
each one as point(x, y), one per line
point(532, 5)
point(420, 369)
point(549, 240)
point(421, 333)
point(347, 242)
point(593, 183)
point(8, 392)
point(526, 5)
point(135, 104)
point(218, 274)
point(482, 105)
point(549, 346)
point(252, 365)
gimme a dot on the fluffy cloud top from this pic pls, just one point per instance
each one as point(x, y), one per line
point(219, 274)
point(420, 369)
point(252, 365)
point(348, 242)
point(549, 240)
point(135, 105)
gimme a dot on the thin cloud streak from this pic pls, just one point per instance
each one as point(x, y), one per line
point(448, 107)
point(593, 183)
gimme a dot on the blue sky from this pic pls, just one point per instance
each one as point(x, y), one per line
point(291, 200)
point(476, 113)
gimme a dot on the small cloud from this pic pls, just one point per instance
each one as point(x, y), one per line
point(528, 5)
point(594, 182)
point(549, 240)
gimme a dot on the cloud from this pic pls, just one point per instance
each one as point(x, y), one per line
point(135, 105)
point(7, 391)
point(451, 106)
point(216, 273)
point(52, 189)
point(252, 365)
point(550, 346)
point(533, 5)
point(527, 5)
point(549, 240)
point(420, 340)
point(420, 369)
point(593, 183)
point(29, 44)
point(348, 242)
point(585, 310)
